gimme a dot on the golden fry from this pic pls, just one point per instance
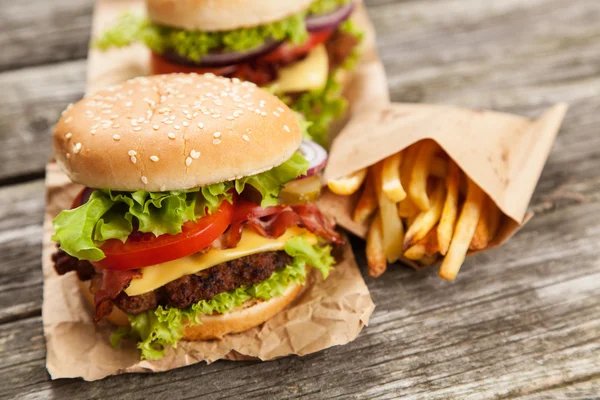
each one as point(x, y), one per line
point(426, 220)
point(465, 229)
point(367, 202)
point(450, 211)
point(419, 174)
point(393, 230)
point(438, 167)
point(426, 246)
point(375, 255)
point(481, 238)
point(407, 209)
point(390, 176)
point(347, 185)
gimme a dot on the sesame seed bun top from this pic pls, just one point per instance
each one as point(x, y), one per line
point(174, 132)
point(221, 15)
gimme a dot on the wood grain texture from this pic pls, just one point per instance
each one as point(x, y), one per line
point(36, 32)
point(522, 321)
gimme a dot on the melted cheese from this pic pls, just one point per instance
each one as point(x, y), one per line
point(308, 74)
point(159, 275)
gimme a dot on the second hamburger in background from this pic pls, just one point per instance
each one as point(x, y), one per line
point(297, 49)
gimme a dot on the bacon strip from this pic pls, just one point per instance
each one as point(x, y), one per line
point(275, 221)
point(107, 286)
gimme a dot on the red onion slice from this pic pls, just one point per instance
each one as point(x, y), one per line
point(220, 59)
point(322, 22)
point(316, 156)
point(85, 196)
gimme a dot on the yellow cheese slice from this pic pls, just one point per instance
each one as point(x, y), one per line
point(159, 275)
point(309, 74)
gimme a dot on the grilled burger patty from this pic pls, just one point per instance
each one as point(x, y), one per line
point(189, 289)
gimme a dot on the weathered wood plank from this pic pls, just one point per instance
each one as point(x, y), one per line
point(21, 213)
point(42, 32)
point(31, 102)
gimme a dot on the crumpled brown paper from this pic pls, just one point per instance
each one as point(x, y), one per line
point(502, 153)
point(328, 313)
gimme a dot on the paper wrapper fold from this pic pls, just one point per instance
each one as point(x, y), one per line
point(502, 153)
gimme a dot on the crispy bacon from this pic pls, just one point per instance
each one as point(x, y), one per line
point(107, 285)
point(273, 222)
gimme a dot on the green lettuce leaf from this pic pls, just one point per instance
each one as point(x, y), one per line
point(325, 6)
point(270, 183)
point(110, 215)
point(194, 45)
point(163, 327)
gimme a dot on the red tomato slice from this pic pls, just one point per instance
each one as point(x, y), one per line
point(143, 249)
point(289, 52)
point(160, 65)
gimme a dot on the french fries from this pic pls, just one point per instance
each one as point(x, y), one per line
point(367, 202)
point(425, 209)
point(390, 177)
point(375, 256)
point(448, 219)
point(426, 220)
point(420, 173)
point(393, 229)
point(349, 184)
point(464, 232)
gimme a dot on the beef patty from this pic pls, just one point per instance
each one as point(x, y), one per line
point(189, 289)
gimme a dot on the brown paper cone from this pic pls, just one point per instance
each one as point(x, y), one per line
point(502, 153)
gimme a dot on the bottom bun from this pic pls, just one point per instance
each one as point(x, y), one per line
point(250, 314)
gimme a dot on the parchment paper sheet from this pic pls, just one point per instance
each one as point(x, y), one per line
point(329, 313)
point(502, 153)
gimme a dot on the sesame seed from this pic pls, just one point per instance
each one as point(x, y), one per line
point(194, 154)
point(216, 116)
point(230, 118)
point(177, 127)
point(144, 179)
point(287, 128)
point(275, 113)
point(68, 135)
point(154, 158)
point(133, 122)
point(69, 119)
point(68, 156)
point(132, 152)
point(216, 141)
point(115, 125)
point(171, 135)
point(280, 109)
point(133, 159)
point(116, 137)
point(263, 114)
point(188, 161)
point(137, 128)
point(155, 127)
point(77, 148)
point(185, 123)
point(200, 125)
point(217, 134)
point(246, 138)
point(128, 103)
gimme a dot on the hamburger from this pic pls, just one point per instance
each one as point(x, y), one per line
point(299, 50)
point(179, 232)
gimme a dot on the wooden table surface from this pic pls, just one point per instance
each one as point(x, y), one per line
point(522, 321)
